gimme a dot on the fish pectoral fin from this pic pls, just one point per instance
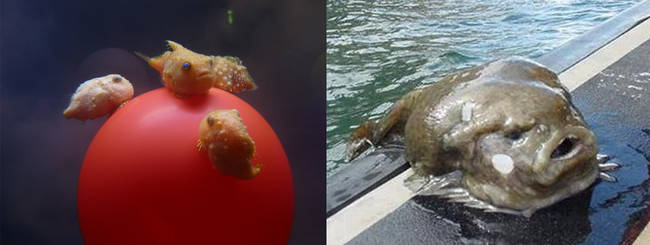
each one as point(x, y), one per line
point(604, 166)
point(181, 96)
point(449, 186)
point(607, 177)
point(430, 185)
point(602, 158)
point(123, 103)
point(608, 166)
point(200, 147)
point(470, 201)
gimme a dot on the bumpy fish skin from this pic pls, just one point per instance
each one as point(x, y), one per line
point(508, 127)
point(99, 96)
point(188, 73)
point(223, 136)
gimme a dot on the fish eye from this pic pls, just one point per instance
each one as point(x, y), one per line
point(186, 66)
point(209, 120)
point(117, 79)
point(514, 135)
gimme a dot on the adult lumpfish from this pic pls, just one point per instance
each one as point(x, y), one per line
point(503, 137)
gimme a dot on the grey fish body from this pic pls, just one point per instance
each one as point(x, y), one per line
point(503, 137)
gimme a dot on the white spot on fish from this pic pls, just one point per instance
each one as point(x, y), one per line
point(467, 112)
point(502, 163)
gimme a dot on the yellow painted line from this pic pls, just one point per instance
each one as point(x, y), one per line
point(367, 210)
point(372, 207)
point(605, 56)
point(643, 238)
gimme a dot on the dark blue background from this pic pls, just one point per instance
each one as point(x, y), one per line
point(49, 47)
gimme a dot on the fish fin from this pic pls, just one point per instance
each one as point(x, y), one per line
point(180, 96)
point(68, 113)
point(123, 103)
point(608, 166)
point(607, 177)
point(253, 86)
point(242, 80)
point(601, 158)
point(449, 187)
point(142, 56)
point(174, 45)
point(430, 185)
point(359, 140)
point(604, 165)
point(156, 62)
point(200, 146)
point(239, 80)
point(234, 60)
point(256, 168)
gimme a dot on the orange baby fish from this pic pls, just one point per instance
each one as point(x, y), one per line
point(188, 73)
point(223, 136)
point(99, 96)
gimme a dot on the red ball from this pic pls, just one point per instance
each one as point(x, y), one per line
point(143, 181)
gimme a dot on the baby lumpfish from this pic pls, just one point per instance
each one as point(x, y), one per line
point(188, 73)
point(223, 136)
point(99, 96)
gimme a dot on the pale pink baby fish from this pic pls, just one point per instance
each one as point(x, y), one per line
point(99, 96)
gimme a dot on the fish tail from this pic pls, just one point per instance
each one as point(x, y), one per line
point(243, 80)
point(360, 140)
point(238, 80)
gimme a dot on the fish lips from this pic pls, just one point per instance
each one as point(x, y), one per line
point(569, 150)
point(205, 75)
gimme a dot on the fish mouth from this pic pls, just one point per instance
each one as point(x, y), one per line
point(569, 147)
point(563, 153)
point(203, 75)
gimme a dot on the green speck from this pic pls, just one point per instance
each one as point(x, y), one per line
point(230, 17)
